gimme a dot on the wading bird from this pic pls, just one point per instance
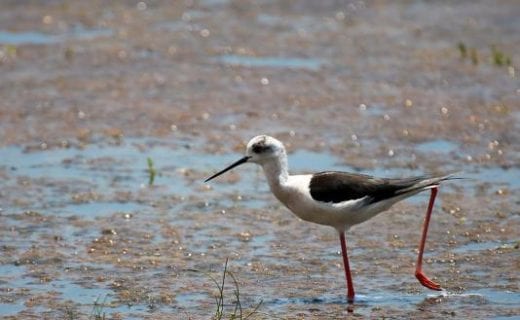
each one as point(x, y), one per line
point(337, 199)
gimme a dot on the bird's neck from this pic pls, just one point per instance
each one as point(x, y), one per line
point(276, 172)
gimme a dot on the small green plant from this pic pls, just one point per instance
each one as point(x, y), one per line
point(70, 313)
point(97, 310)
point(69, 53)
point(462, 50)
point(151, 171)
point(497, 58)
point(468, 52)
point(219, 313)
point(11, 50)
point(474, 56)
point(500, 58)
point(238, 311)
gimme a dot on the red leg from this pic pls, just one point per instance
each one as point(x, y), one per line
point(348, 276)
point(423, 279)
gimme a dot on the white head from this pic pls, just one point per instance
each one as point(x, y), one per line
point(260, 150)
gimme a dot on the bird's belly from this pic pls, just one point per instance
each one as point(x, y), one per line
point(306, 210)
point(323, 214)
point(328, 214)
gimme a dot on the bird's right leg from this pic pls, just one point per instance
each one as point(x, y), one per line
point(419, 274)
point(348, 276)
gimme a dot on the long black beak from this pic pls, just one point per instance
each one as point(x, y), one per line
point(239, 162)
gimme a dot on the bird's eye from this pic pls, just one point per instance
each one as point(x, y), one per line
point(259, 148)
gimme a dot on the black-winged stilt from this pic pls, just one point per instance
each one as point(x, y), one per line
point(337, 199)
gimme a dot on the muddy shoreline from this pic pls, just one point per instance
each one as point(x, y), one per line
point(91, 92)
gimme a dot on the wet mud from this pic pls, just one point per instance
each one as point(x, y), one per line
point(97, 96)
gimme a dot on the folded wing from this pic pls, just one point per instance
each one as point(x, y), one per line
point(335, 186)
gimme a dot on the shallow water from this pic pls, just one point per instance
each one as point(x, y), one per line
point(103, 167)
point(100, 164)
point(438, 146)
point(271, 62)
point(35, 37)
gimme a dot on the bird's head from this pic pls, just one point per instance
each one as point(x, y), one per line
point(260, 150)
point(263, 148)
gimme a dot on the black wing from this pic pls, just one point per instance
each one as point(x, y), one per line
point(335, 187)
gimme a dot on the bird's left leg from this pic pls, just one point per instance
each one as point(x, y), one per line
point(423, 279)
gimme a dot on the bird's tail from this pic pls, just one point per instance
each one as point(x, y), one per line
point(428, 182)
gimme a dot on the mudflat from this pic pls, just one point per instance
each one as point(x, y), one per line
point(112, 114)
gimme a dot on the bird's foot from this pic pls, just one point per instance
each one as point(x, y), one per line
point(425, 281)
point(350, 295)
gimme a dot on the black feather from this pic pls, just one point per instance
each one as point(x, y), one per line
point(335, 187)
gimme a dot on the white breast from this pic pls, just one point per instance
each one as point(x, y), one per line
point(295, 195)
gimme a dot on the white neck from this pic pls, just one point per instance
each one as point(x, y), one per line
point(276, 171)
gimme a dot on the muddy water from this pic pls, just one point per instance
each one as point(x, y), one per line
point(89, 94)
